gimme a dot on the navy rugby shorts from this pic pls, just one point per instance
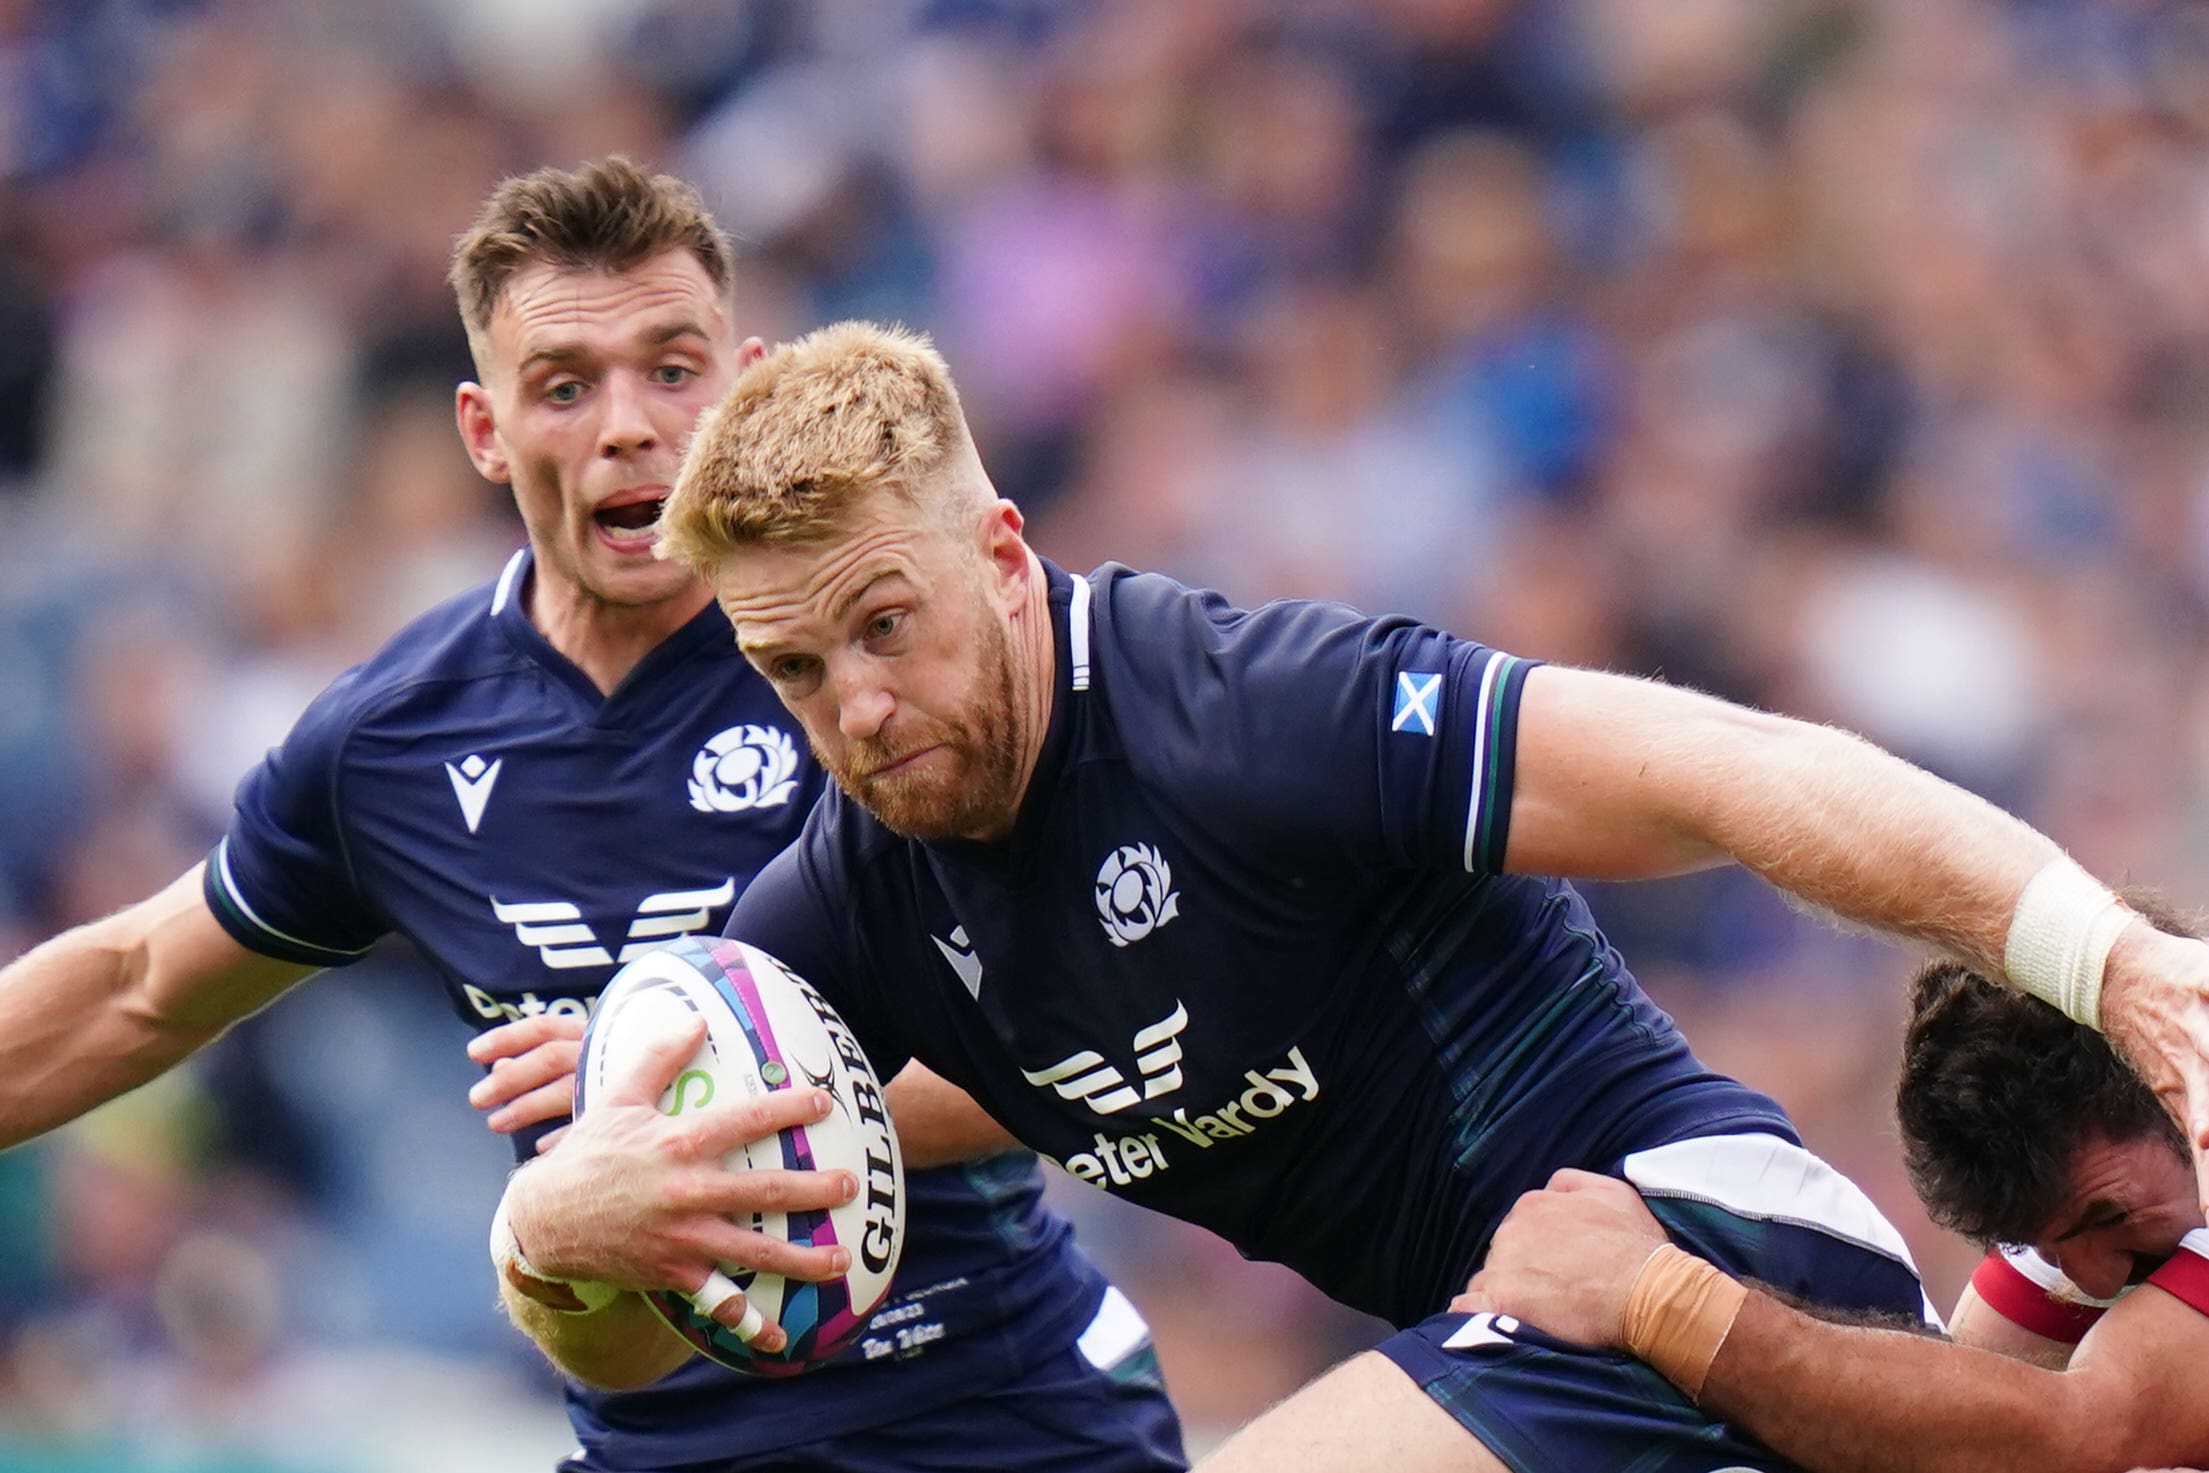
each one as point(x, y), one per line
point(1098, 1407)
point(1757, 1206)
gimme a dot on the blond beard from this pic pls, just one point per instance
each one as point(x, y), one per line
point(977, 791)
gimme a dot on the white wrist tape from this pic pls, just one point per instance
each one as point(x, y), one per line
point(2060, 935)
point(507, 1253)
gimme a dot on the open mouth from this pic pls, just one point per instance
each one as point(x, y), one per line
point(632, 520)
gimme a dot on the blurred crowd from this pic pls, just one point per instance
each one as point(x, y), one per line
point(1846, 357)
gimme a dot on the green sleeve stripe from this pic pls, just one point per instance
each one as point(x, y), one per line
point(1488, 815)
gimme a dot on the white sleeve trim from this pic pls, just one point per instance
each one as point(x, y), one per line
point(1488, 677)
point(229, 882)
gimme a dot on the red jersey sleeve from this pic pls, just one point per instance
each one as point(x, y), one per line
point(2185, 1274)
point(2024, 1289)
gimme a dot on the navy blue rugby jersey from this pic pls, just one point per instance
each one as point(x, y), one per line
point(471, 789)
point(1247, 957)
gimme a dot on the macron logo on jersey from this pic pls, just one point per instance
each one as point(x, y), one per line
point(959, 951)
point(557, 932)
point(1484, 1332)
point(472, 779)
point(1087, 1077)
point(1416, 691)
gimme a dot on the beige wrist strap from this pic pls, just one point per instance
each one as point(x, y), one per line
point(1679, 1314)
point(568, 1296)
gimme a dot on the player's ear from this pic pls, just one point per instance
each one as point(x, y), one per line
point(479, 432)
point(1004, 548)
point(749, 352)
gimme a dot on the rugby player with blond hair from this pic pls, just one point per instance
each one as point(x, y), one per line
point(1249, 915)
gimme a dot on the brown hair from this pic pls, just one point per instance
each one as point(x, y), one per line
point(2000, 1091)
point(806, 433)
point(608, 214)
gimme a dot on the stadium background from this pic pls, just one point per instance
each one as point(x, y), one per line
point(1845, 358)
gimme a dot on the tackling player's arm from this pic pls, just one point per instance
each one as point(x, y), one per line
point(1623, 778)
point(1977, 1325)
point(2019, 1305)
point(1836, 1397)
point(99, 1010)
point(1586, 1261)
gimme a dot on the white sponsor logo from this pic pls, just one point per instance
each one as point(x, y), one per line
point(556, 930)
point(1115, 1162)
point(958, 951)
point(472, 779)
point(1135, 893)
point(528, 1005)
point(743, 768)
point(1087, 1077)
point(674, 913)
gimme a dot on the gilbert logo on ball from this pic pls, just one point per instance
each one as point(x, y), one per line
point(767, 1029)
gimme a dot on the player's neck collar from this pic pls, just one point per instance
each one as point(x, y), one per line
point(510, 611)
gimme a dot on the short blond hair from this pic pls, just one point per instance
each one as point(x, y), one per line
point(808, 433)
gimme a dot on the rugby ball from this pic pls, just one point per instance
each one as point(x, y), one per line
point(767, 1029)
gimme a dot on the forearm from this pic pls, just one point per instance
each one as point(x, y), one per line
point(939, 1123)
point(1858, 832)
point(100, 1010)
point(1621, 778)
point(621, 1347)
point(1841, 1399)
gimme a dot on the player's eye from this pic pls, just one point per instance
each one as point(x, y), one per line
point(884, 625)
point(566, 391)
point(674, 375)
point(792, 670)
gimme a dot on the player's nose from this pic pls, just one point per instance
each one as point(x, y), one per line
point(863, 705)
point(2094, 1270)
point(625, 426)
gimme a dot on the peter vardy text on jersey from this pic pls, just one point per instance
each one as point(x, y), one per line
point(1115, 1163)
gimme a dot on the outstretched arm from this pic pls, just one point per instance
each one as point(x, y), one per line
point(1620, 779)
point(99, 1010)
point(1840, 1398)
point(1623, 778)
